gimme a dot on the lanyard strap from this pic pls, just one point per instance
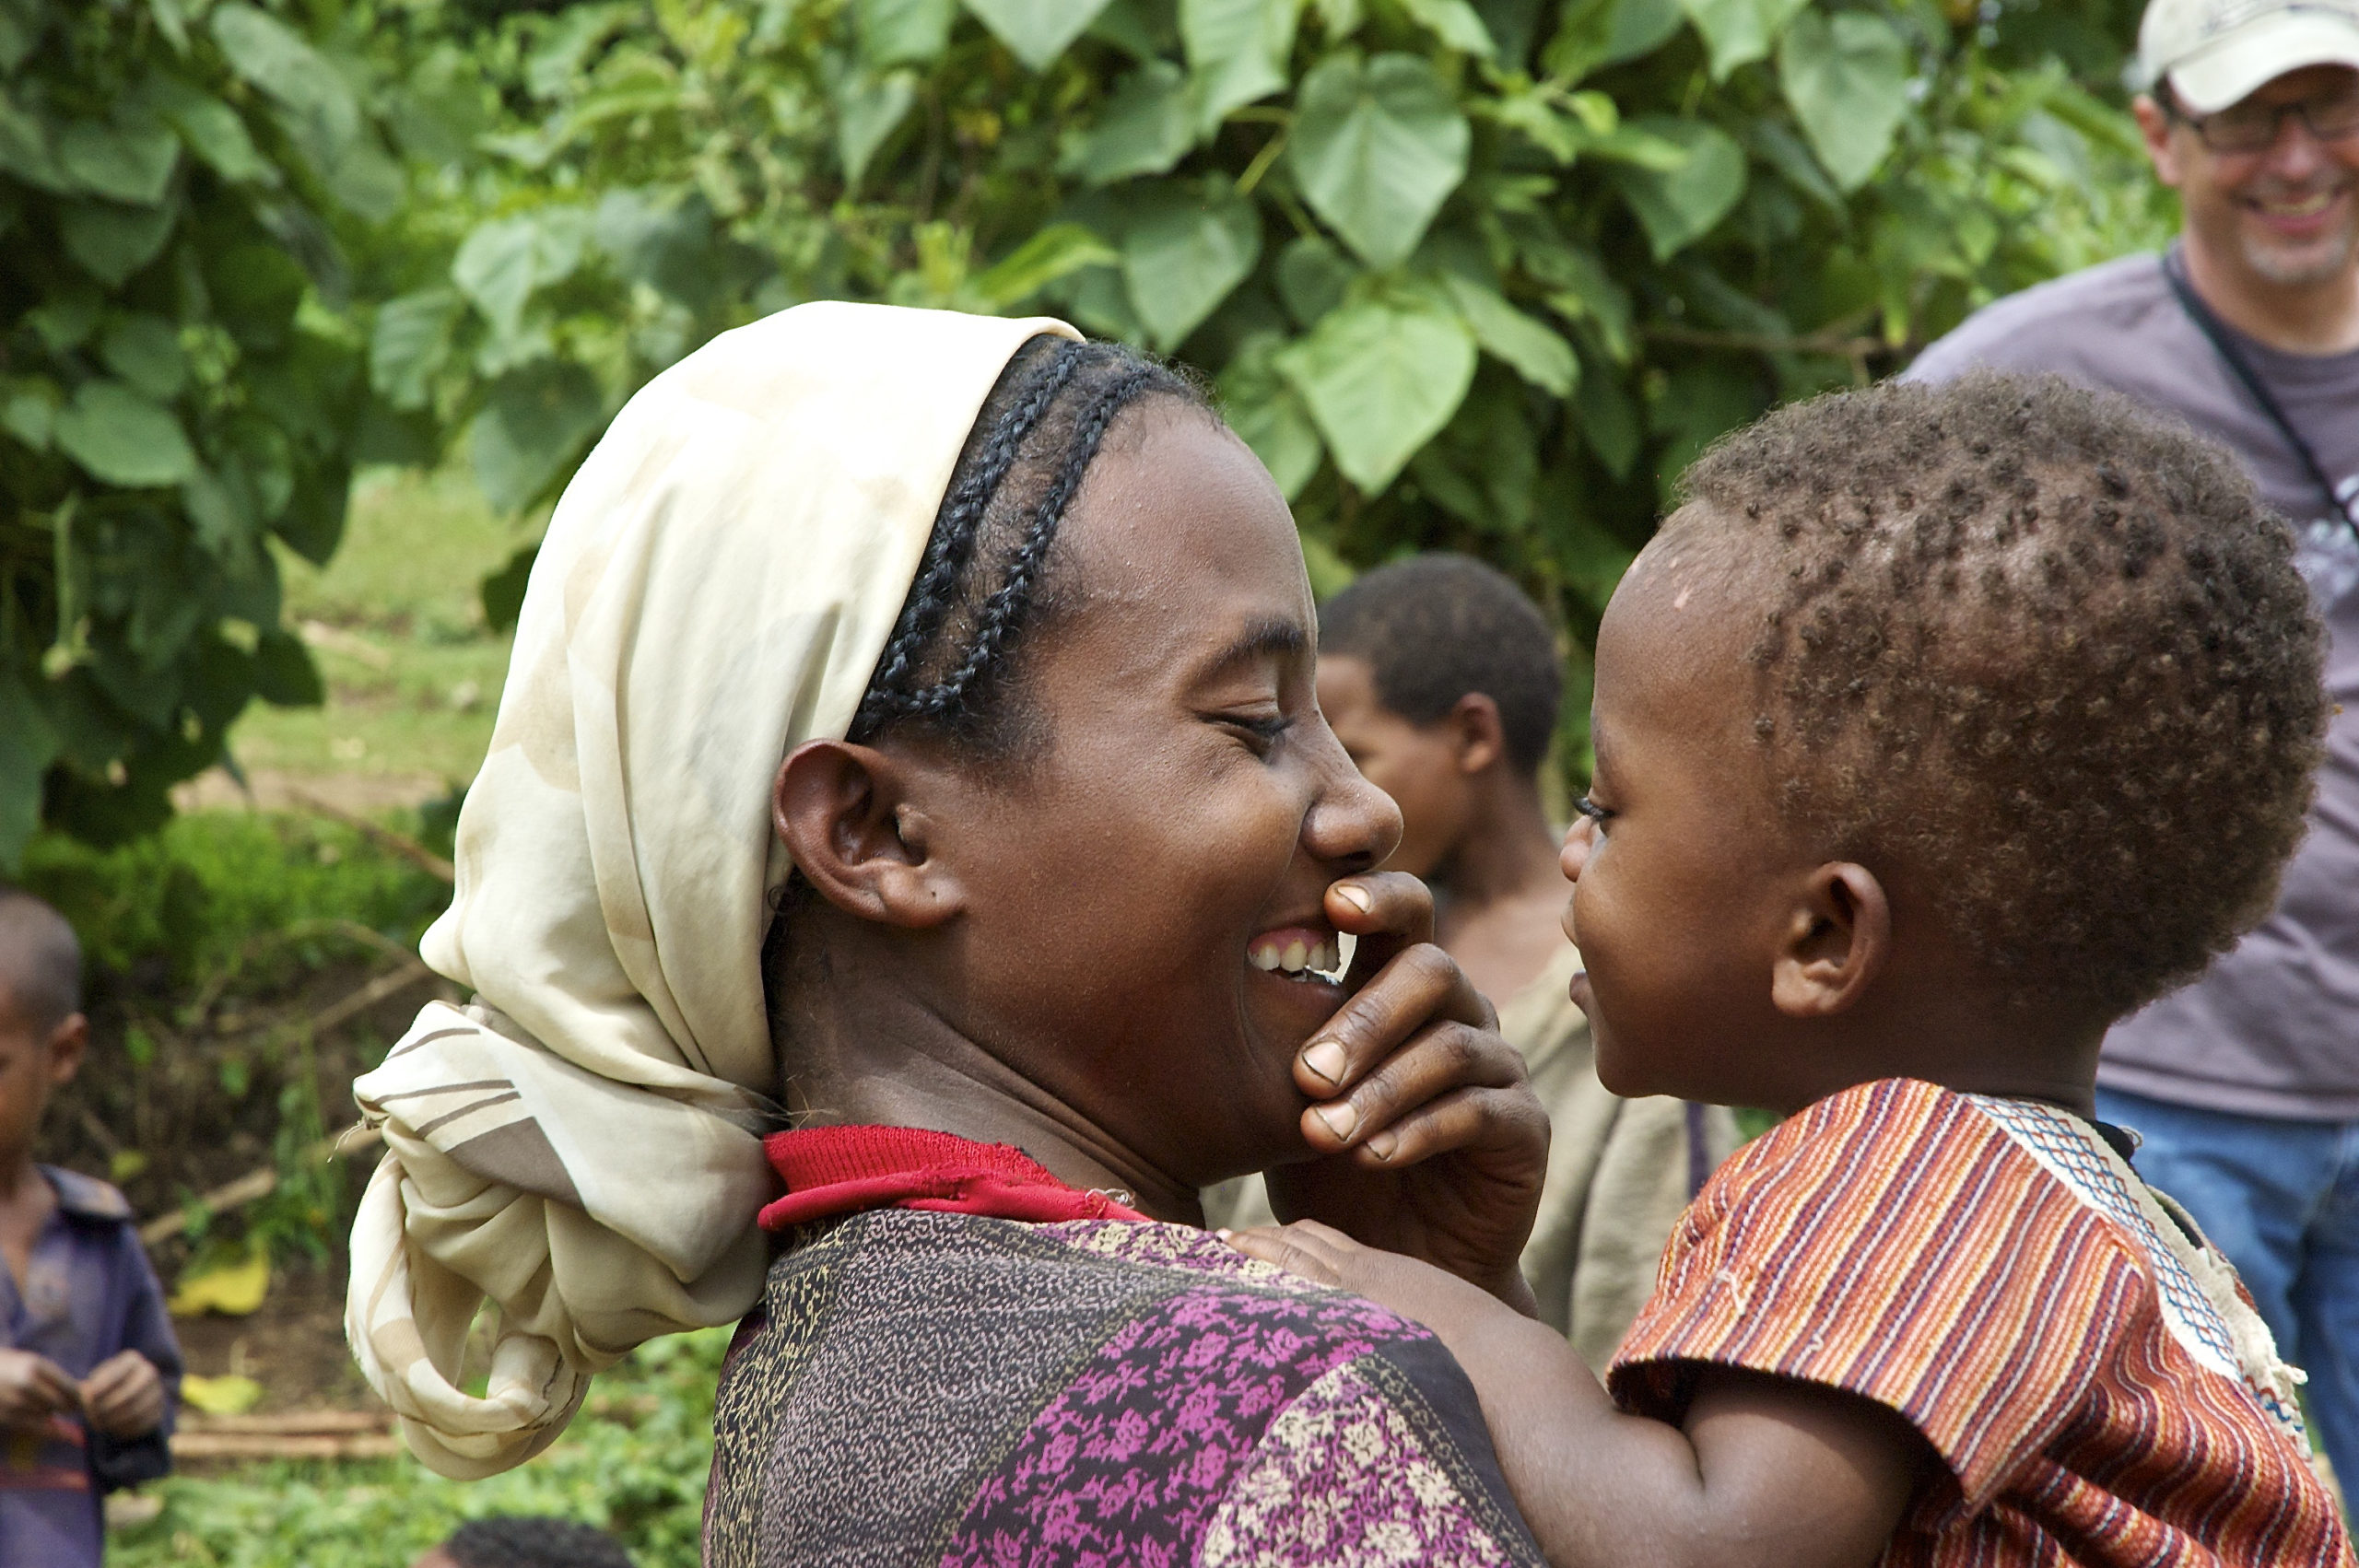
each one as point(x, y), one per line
point(2217, 332)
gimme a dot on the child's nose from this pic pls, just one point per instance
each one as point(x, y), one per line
point(1578, 841)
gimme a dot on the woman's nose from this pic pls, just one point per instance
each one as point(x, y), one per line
point(1353, 824)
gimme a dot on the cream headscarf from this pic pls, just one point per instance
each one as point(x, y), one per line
point(580, 1144)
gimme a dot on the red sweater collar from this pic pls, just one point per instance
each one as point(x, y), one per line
point(845, 1170)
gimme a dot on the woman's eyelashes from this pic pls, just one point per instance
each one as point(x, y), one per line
point(1595, 813)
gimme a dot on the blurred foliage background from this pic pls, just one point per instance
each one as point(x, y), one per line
point(1468, 274)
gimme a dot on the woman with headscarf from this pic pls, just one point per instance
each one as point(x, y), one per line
point(911, 720)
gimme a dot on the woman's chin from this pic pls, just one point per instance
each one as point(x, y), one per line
point(1288, 1009)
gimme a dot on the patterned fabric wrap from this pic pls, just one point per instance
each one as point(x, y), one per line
point(929, 1389)
point(580, 1146)
point(2091, 1373)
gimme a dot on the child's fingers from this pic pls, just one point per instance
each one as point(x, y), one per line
point(1436, 1059)
point(1386, 911)
point(1306, 1247)
point(1418, 986)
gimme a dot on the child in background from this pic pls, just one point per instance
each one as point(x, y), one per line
point(1939, 728)
point(1442, 680)
point(89, 1372)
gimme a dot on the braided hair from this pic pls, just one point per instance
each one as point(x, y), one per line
point(949, 668)
point(2045, 653)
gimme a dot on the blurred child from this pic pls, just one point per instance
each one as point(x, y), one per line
point(89, 1372)
point(511, 1541)
point(1939, 728)
point(1442, 680)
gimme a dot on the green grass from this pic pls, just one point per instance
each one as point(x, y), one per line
point(413, 673)
point(634, 1463)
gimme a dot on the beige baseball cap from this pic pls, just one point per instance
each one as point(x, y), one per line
point(2215, 51)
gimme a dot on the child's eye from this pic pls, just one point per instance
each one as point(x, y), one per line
point(1593, 810)
point(1261, 731)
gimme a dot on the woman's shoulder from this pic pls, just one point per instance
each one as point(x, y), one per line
point(1138, 1386)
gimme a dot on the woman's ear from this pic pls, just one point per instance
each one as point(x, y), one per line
point(1838, 940)
point(846, 817)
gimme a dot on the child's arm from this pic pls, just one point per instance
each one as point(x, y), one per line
point(1764, 1471)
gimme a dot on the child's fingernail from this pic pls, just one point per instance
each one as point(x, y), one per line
point(1382, 1145)
point(1339, 1119)
point(1326, 1060)
point(1355, 895)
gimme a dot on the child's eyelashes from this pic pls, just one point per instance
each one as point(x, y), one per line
point(1260, 731)
point(1591, 810)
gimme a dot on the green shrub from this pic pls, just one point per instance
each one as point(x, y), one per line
point(178, 389)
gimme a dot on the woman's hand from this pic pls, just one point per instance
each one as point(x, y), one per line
point(33, 1389)
point(1429, 1141)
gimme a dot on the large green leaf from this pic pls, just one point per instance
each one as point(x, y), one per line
point(411, 343)
point(505, 259)
point(530, 429)
point(1378, 147)
point(1740, 31)
point(123, 436)
point(323, 116)
point(868, 110)
point(145, 351)
point(1381, 375)
point(1679, 206)
point(902, 32)
point(124, 164)
point(29, 744)
point(1056, 252)
point(1036, 32)
point(1183, 252)
point(112, 241)
point(1145, 128)
point(1237, 50)
point(26, 150)
point(1455, 22)
point(1268, 413)
point(1531, 349)
point(1846, 77)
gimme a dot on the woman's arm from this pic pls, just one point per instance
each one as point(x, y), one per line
point(1764, 1473)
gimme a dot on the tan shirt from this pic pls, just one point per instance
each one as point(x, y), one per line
point(1620, 1172)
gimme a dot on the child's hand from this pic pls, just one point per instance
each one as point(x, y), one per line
point(1417, 1291)
point(33, 1388)
point(124, 1396)
point(1434, 1145)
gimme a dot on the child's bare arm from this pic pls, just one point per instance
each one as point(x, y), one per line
point(1763, 1472)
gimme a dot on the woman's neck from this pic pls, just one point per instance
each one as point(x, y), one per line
point(889, 1060)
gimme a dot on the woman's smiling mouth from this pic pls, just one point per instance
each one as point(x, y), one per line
point(1298, 953)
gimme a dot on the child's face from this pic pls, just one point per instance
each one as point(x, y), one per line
point(1417, 764)
point(1187, 807)
point(33, 1061)
point(1680, 894)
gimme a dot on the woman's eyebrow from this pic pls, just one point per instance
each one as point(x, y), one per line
point(1262, 640)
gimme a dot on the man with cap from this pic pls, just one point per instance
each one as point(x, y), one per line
point(2245, 1086)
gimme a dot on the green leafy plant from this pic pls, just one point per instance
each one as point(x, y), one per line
point(1473, 274)
point(177, 391)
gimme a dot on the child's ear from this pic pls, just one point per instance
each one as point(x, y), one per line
point(846, 815)
point(1837, 939)
point(67, 1043)
point(1477, 734)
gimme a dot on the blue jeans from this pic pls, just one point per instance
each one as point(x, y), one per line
point(2282, 1199)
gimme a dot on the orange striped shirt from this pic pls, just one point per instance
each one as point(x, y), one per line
point(2097, 1383)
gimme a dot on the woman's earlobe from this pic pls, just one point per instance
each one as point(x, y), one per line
point(1838, 939)
point(844, 814)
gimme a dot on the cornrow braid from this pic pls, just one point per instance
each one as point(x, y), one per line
point(948, 664)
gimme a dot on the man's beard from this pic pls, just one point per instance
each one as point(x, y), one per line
point(2306, 264)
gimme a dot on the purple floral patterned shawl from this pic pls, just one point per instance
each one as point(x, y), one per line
point(927, 1388)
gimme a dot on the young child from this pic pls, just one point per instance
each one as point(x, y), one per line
point(1441, 678)
point(1938, 729)
point(89, 1372)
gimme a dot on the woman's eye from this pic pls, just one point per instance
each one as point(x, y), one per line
point(1593, 810)
point(1261, 730)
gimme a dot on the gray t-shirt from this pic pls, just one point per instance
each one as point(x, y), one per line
point(2272, 1029)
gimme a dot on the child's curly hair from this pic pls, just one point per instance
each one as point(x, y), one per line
point(2045, 655)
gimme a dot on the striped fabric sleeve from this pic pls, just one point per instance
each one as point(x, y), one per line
point(1891, 1242)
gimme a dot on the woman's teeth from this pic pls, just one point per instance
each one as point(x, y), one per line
point(1299, 958)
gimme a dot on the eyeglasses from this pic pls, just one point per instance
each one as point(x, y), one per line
point(2249, 127)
